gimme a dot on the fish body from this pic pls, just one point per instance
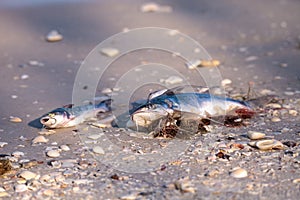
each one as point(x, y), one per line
point(67, 117)
point(189, 105)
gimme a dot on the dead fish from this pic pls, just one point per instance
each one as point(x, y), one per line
point(198, 105)
point(69, 116)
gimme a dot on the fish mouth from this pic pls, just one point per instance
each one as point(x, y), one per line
point(48, 121)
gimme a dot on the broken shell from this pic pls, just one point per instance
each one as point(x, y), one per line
point(2, 144)
point(226, 82)
point(275, 119)
point(18, 154)
point(253, 135)
point(27, 175)
point(40, 139)
point(21, 188)
point(106, 91)
point(173, 80)
point(16, 119)
point(239, 173)
point(193, 64)
point(54, 36)
point(98, 150)
point(110, 52)
point(268, 144)
point(53, 153)
point(65, 147)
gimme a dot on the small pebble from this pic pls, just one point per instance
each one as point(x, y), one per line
point(239, 173)
point(53, 153)
point(251, 58)
point(293, 113)
point(173, 32)
point(283, 65)
point(21, 188)
point(110, 52)
point(27, 175)
point(129, 197)
point(289, 93)
point(49, 132)
point(94, 137)
point(4, 194)
point(35, 63)
point(154, 7)
point(40, 139)
point(274, 105)
point(107, 91)
point(275, 119)
point(226, 82)
point(14, 96)
point(65, 147)
point(2, 144)
point(54, 36)
point(98, 150)
point(15, 119)
point(173, 80)
point(48, 192)
point(193, 64)
point(24, 76)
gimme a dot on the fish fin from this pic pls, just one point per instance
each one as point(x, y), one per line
point(178, 89)
point(68, 106)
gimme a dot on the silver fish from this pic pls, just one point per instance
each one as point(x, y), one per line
point(200, 106)
point(67, 117)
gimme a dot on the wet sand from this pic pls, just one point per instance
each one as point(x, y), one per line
point(255, 41)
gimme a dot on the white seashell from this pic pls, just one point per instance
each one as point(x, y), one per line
point(4, 194)
point(95, 136)
point(40, 139)
point(274, 105)
point(193, 64)
point(54, 36)
point(173, 80)
point(2, 144)
point(226, 82)
point(239, 173)
point(98, 150)
point(65, 147)
point(16, 119)
point(293, 112)
point(150, 7)
point(106, 91)
point(2, 189)
point(24, 76)
point(21, 188)
point(110, 52)
point(251, 58)
point(275, 119)
point(48, 192)
point(18, 154)
point(53, 153)
point(269, 144)
point(27, 175)
point(254, 135)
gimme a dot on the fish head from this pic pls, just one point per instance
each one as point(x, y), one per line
point(147, 114)
point(55, 119)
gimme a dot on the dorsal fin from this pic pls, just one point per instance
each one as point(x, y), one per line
point(68, 106)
